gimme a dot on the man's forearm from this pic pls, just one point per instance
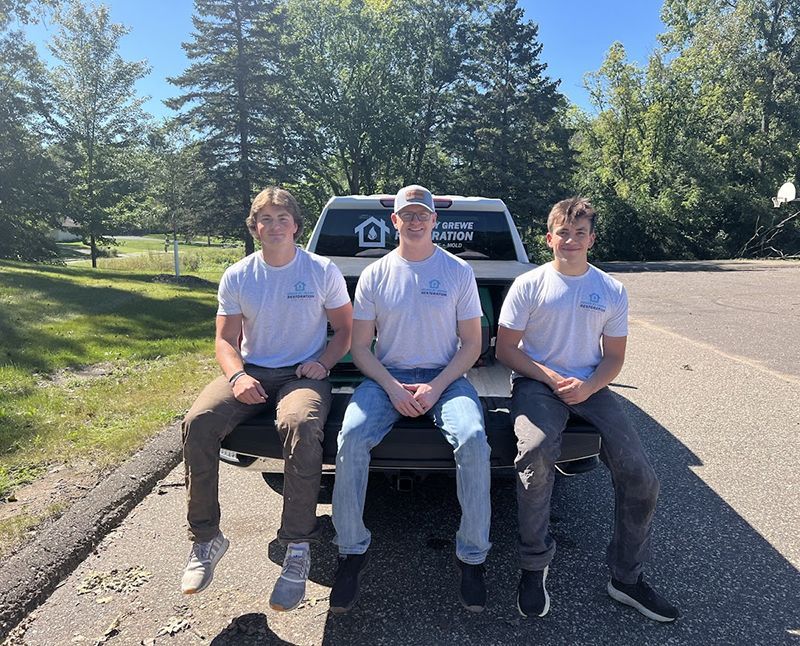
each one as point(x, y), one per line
point(462, 361)
point(368, 364)
point(337, 347)
point(522, 364)
point(607, 369)
point(228, 357)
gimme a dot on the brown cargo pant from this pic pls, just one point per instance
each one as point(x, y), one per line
point(302, 406)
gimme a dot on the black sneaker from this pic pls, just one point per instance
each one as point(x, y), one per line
point(346, 581)
point(532, 597)
point(471, 586)
point(641, 596)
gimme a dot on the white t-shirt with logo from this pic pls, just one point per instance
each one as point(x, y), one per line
point(283, 307)
point(416, 307)
point(564, 317)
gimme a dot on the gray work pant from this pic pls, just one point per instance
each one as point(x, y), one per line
point(539, 420)
point(302, 409)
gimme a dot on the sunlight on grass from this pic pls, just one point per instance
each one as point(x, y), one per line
point(94, 362)
point(204, 262)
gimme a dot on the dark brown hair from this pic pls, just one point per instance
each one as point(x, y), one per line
point(569, 210)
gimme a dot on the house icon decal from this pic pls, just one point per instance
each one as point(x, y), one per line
point(300, 286)
point(372, 233)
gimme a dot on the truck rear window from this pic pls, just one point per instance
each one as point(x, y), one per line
point(474, 235)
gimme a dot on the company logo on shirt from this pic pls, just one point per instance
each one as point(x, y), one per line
point(594, 302)
point(300, 291)
point(434, 288)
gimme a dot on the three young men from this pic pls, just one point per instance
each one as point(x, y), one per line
point(563, 330)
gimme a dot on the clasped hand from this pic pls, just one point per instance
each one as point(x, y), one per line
point(572, 391)
point(413, 400)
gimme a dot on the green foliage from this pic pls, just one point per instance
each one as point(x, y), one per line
point(510, 137)
point(362, 96)
point(180, 193)
point(95, 116)
point(28, 182)
point(233, 95)
point(684, 153)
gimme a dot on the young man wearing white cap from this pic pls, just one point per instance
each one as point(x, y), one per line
point(423, 304)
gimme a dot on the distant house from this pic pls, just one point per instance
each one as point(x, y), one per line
point(66, 232)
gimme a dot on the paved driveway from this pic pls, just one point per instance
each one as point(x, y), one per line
point(712, 383)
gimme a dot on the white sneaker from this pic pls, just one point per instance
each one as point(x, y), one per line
point(202, 559)
point(290, 588)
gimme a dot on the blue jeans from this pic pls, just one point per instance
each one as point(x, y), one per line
point(370, 416)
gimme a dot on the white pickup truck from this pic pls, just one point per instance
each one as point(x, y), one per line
point(355, 230)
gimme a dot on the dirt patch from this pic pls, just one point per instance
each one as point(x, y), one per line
point(186, 281)
point(84, 373)
point(34, 506)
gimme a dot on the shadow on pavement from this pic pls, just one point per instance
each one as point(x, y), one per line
point(730, 584)
point(251, 628)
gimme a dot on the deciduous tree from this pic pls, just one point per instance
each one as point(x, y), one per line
point(96, 115)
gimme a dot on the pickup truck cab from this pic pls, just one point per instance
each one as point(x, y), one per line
point(353, 231)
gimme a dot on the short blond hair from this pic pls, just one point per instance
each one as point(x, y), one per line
point(569, 210)
point(277, 196)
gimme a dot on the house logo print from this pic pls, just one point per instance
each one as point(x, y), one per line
point(372, 233)
point(300, 286)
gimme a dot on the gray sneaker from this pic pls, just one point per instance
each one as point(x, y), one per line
point(202, 559)
point(290, 588)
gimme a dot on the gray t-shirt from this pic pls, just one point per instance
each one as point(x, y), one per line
point(563, 317)
point(283, 307)
point(416, 307)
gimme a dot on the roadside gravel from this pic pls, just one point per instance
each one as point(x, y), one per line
point(31, 575)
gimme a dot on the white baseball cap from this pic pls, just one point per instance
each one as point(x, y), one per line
point(413, 194)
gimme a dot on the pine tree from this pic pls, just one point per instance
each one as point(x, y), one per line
point(233, 98)
point(509, 137)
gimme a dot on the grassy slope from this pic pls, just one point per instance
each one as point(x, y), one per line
point(149, 346)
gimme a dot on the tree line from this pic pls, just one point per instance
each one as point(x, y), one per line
point(680, 155)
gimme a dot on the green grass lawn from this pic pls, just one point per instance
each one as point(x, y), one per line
point(94, 362)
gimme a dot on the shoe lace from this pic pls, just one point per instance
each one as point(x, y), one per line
point(200, 551)
point(295, 565)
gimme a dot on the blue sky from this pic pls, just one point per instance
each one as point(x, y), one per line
point(575, 35)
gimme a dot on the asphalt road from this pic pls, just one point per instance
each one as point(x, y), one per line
point(712, 382)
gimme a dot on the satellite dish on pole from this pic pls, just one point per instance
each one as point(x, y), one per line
point(786, 193)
